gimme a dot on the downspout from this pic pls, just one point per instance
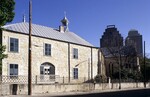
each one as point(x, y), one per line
point(91, 63)
point(69, 62)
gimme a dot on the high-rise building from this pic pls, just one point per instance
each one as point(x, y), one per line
point(111, 37)
point(135, 39)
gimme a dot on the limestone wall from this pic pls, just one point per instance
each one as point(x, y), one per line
point(59, 56)
point(105, 86)
point(20, 58)
point(46, 89)
point(7, 89)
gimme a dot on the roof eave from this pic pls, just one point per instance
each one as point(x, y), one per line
point(49, 38)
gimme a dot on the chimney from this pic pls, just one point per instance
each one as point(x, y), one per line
point(61, 29)
point(24, 18)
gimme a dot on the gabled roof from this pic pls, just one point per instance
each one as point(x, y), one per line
point(115, 51)
point(109, 51)
point(46, 32)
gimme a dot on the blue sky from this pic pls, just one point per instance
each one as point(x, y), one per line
point(89, 18)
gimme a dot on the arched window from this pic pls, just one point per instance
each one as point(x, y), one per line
point(47, 69)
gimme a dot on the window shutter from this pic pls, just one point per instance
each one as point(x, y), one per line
point(50, 49)
point(41, 69)
point(11, 69)
point(15, 69)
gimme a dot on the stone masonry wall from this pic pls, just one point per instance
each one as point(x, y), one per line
point(59, 56)
point(57, 88)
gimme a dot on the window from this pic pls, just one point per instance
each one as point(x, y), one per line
point(13, 70)
point(75, 73)
point(75, 53)
point(14, 44)
point(48, 49)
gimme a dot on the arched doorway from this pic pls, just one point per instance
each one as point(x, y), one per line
point(47, 69)
point(47, 72)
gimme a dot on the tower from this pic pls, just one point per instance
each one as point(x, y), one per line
point(135, 39)
point(111, 37)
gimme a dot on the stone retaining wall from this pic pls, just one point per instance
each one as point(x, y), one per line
point(6, 89)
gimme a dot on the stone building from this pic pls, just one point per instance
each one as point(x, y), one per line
point(112, 47)
point(111, 37)
point(126, 55)
point(135, 39)
point(56, 52)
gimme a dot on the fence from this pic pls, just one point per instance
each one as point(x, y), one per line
point(46, 84)
point(126, 80)
point(40, 79)
point(52, 79)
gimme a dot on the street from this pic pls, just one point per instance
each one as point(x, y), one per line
point(126, 93)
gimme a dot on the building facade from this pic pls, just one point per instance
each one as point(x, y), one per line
point(54, 52)
point(111, 37)
point(114, 51)
point(135, 39)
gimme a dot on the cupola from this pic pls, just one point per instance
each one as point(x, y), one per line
point(64, 26)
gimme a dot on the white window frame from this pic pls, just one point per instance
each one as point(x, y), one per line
point(75, 53)
point(75, 73)
point(13, 70)
point(10, 46)
point(50, 49)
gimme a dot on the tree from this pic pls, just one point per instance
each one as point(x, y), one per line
point(6, 15)
point(124, 56)
point(6, 11)
point(121, 60)
point(145, 71)
point(2, 56)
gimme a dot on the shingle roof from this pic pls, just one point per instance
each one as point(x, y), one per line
point(46, 32)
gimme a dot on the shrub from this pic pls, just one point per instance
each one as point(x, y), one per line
point(100, 78)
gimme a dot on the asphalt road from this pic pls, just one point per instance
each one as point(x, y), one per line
point(125, 93)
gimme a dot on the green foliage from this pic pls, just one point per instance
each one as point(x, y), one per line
point(145, 70)
point(2, 56)
point(127, 74)
point(6, 15)
point(2, 50)
point(100, 78)
point(6, 11)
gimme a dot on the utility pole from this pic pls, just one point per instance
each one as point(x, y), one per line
point(119, 69)
point(144, 68)
point(29, 55)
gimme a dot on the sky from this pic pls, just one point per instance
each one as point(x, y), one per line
point(89, 18)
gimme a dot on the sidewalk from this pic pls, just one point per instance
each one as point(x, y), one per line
point(57, 94)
